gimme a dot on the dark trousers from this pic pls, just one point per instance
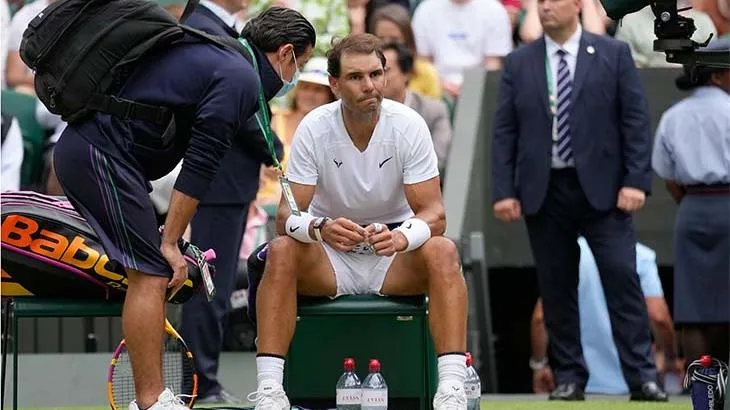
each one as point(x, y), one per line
point(553, 234)
point(203, 323)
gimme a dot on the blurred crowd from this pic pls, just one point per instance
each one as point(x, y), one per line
point(430, 45)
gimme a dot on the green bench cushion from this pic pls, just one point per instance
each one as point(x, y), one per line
point(363, 305)
point(39, 307)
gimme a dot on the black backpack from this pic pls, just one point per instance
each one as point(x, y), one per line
point(83, 50)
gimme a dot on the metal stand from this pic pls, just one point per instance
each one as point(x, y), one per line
point(6, 335)
point(474, 261)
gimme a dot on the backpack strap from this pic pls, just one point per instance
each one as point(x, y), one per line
point(128, 109)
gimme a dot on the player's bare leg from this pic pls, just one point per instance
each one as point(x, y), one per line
point(434, 269)
point(292, 268)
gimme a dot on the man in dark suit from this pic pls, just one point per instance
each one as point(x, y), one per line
point(571, 150)
point(221, 220)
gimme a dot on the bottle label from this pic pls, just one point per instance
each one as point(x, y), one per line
point(375, 397)
point(349, 396)
point(472, 392)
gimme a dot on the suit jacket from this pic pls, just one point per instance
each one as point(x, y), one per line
point(437, 118)
point(237, 181)
point(609, 123)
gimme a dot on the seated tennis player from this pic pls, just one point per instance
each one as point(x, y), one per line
point(365, 171)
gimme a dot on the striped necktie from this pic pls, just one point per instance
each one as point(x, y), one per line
point(565, 88)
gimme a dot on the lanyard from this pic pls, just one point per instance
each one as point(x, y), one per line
point(263, 119)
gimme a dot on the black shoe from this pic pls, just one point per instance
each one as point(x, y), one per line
point(650, 391)
point(568, 392)
point(222, 397)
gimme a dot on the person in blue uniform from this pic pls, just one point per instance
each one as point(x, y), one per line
point(105, 164)
point(692, 154)
point(221, 220)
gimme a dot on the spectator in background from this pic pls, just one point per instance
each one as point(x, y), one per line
point(18, 75)
point(11, 154)
point(591, 19)
point(460, 34)
point(399, 63)
point(599, 350)
point(330, 18)
point(312, 90)
point(571, 150)
point(692, 153)
point(637, 29)
point(392, 23)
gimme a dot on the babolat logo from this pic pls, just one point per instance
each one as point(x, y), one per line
point(25, 233)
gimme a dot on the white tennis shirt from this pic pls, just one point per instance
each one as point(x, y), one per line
point(367, 186)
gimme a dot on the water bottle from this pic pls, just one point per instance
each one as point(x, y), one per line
point(374, 389)
point(472, 385)
point(349, 389)
point(706, 378)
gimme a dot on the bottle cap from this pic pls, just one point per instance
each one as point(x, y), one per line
point(374, 366)
point(349, 364)
point(469, 359)
point(706, 361)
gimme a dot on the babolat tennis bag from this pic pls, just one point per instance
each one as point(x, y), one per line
point(82, 51)
point(50, 251)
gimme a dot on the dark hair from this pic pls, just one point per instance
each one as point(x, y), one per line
point(353, 44)
point(277, 26)
point(404, 55)
point(398, 15)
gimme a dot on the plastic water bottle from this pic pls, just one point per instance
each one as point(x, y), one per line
point(374, 389)
point(702, 376)
point(472, 385)
point(349, 389)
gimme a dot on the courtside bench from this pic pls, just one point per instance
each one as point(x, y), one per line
point(40, 308)
point(393, 330)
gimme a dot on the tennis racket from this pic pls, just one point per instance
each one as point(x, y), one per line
point(178, 371)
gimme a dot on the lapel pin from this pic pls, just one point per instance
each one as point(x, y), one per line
point(590, 49)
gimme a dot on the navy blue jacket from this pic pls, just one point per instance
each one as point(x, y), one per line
point(609, 123)
point(237, 181)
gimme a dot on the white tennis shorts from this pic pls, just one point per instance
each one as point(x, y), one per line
point(356, 272)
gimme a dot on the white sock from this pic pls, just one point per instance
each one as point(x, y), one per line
point(452, 368)
point(270, 368)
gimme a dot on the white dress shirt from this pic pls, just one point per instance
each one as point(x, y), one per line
point(571, 48)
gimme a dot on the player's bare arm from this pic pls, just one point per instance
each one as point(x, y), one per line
point(340, 233)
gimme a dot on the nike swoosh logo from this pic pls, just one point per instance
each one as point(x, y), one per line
point(409, 225)
point(383, 163)
point(337, 163)
point(292, 230)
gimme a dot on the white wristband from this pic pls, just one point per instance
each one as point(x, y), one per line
point(416, 231)
point(298, 227)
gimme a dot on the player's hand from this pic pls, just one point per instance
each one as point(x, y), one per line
point(343, 234)
point(508, 210)
point(384, 241)
point(630, 199)
point(543, 380)
point(171, 253)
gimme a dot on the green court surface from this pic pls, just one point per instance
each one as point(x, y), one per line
point(510, 405)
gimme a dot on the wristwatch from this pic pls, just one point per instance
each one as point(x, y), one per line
point(538, 364)
point(318, 226)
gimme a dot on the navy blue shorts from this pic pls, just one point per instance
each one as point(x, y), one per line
point(113, 196)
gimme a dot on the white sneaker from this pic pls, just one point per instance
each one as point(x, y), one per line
point(450, 396)
point(270, 396)
point(165, 401)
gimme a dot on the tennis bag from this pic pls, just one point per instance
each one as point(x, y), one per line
point(50, 251)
